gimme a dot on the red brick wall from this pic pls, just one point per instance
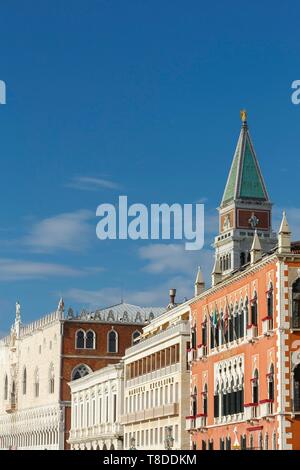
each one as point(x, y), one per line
point(94, 358)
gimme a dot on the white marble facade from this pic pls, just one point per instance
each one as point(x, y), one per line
point(97, 405)
point(31, 416)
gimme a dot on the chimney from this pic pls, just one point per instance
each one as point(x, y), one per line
point(172, 294)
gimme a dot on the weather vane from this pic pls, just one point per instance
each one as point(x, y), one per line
point(243, 114)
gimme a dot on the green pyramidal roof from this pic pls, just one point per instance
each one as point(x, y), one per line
point(245, 180)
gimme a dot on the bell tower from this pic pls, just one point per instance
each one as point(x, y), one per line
point(245, 208)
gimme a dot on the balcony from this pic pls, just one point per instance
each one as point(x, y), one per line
point(201, 351)
point(191, 354)
point(266, 408)
point(163, 411)
point(251, 411)
point(190, 423)
point(156, 374)
point(11, 406)
point(252, 332)
point(201, 421)
point(180, 328)
point(267, 325)
point(96, 431)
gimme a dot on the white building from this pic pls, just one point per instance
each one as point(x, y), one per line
point(37, 361)
point(97, 405)
point(31, 415)
point(157, 383)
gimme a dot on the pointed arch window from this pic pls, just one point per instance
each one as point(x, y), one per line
point(204, 332)
point(36, 384)
point(251, 442)
point(231, 322)
point(194, 403)
point(217, 402)
point(254, 310)
point(135, 336)
point(90, 340)
point(204, 401)
point(242, 318)
point(236, 322)
point(270, 301)
point(194, 337)
point(212, 333)
point(244, 442)
point(112, 341)
point(266, 441)
point(260, 441)
point(274, 443)
point(51, 379)
point(13, 392)
point(271, 383)
point(24, 381)
point(80, 339)
point(255, 391)
point(5, 387)
point(296, 304)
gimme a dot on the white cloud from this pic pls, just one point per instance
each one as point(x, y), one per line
point(90, 183)
point(173, 258)
point(156, 295)
point(16, 270)
point(69, 231)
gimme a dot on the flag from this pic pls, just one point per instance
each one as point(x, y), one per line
point(215, 317)
point(225, 319)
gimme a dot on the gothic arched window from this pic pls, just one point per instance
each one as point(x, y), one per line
point(242, 320)
point(80, 339)
point(274, 441)
point(228, 443)
point(260, 441)
point(194, 403)
point(270, 302)
point(255, 387)
point(204, 333)
point(266, 441)
point(90, 341)
point(80, 371)
point(36, 383)
point(112, 341)
point(194, 337)
point(296, 304)
point(24, 381)
point(204, 400)
point(271, 383)
point(254, 310)
point(5, 387)
point(135, 336)
point(231, 324)
point(51, 379)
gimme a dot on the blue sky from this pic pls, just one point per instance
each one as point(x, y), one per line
point(138, 98)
